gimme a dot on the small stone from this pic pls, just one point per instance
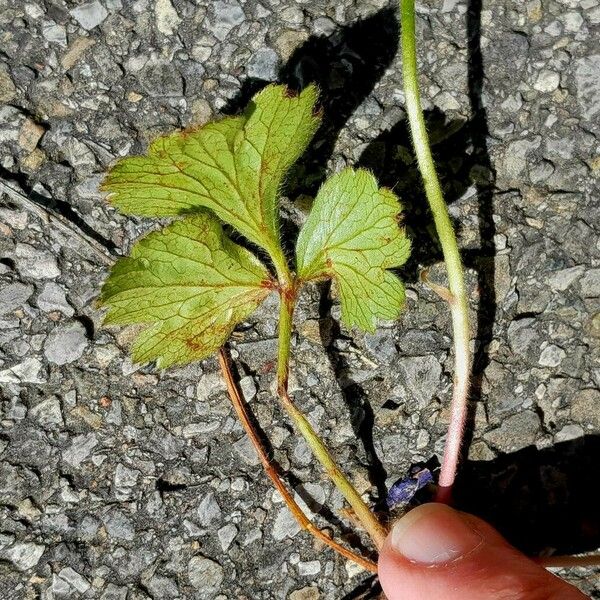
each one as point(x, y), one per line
point(226, 16)
point(285, 525)
point(114, 592)
point(479, 450)
point(419, 378)
point(541, 171)
point(8, 91)
point(394, 447)
point(134, 97)
point(248, 388)
point(307, 593)
point(573, 21)
point(315, 493)
point(547, 81)
point(162, 587)
point(287, 42)
point(29, 371)
point(209, 384)
point(201, 112)
point(48, 412)
point(125, 479)
point(81, 447)
point(594, 15)
point(53, 298)
point(353, 570)
point(423, 438)
point(515, 157)
point(35, 263)
point(585, 408)
point(226, 535)
point(75, 581)
point(167, 18)
point(516, 432)
point(449, 5)
point(263, 64)
point(568, 433)
point(590, 284)
point(66, 344)
point(199, 429)
point(246, 451)
point(563, 279)
point(252, 537)
point(551, 356)
point(587, 79)
point(88, 528)
point(77, 154)
point(76, 50)
point(91, 418)
point(89, 15)
point(14, 296)
point(30, 134)
point(292, 15)
point(302, 453)
point(33, 161)
point(381, 345)
point(205, 575)
point(55, 33)
point(60, 588)
point(118, 526)
point(24, 556)
point(522, 336)
point(309, 568)
point(209, 511)
point(28, 510)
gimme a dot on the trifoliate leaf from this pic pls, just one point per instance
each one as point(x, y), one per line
point(352, 235)
point(191, 284)
point(234, 167)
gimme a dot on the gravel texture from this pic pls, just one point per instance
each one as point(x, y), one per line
point(121, 482)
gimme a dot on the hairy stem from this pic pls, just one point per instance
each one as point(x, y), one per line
point(366, 517)
point(270, 470)
point(458, 301)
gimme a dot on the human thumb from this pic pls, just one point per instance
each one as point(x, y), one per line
point(435, 551)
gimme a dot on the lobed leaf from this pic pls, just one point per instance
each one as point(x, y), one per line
point(234, 167)
point(352, 235)
point(191, 284)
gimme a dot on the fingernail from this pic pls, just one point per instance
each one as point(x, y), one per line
point(434, 534)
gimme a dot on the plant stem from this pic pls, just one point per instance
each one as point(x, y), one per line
point(288, 290)
point(270, 470)
point(286, 312)
point(458, 302)
point(368, 520)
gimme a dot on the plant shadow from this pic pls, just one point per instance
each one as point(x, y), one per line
point(542, 501)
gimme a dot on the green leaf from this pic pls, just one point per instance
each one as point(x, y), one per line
point(352, 235)
point(235, 166)
point(191, 284)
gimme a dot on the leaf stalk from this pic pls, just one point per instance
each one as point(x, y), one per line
point(460, 306)
point(271, 471)
point(367, 518)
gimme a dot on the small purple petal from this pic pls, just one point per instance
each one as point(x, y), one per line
point(401, 492)
point(405, 490)
point(424, 477)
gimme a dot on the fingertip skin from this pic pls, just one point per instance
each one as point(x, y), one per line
point(493, 570)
